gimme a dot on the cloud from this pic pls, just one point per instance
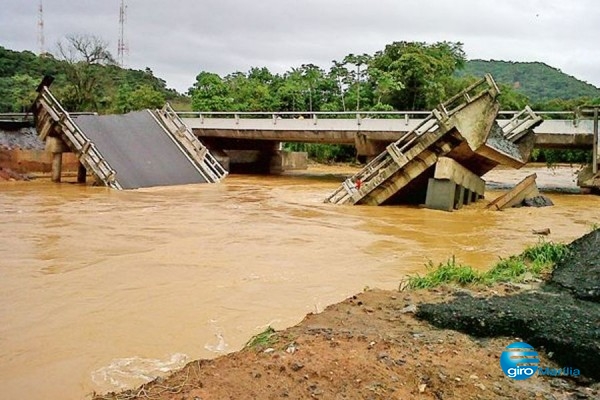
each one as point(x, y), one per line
point(179, 39)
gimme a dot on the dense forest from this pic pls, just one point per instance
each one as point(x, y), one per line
point(86, 79)
point(402, 76)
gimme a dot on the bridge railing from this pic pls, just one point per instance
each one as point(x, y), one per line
point(358, 117)
point(316, 115)
point(86, 151)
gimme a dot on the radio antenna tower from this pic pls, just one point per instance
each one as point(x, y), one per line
point(41, 39)
point(122, 47)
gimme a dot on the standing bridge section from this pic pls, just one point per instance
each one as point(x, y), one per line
point(139, 149)
point(231, 134)
point(369, 132)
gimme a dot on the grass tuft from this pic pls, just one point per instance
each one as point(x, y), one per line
point(534, 262)
point(448, 272)
point(261, 340)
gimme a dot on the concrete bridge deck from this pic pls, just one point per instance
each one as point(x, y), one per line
point(139, 149)
point(345, 127)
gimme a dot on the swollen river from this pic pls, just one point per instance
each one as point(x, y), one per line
point(102, 290)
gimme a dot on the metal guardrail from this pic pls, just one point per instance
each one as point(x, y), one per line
point(520, 124)
point(82, 145)
point(359, 116)
point(29, 116)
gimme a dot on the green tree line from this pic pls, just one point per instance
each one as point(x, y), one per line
point(86, 79)
point(403, 76)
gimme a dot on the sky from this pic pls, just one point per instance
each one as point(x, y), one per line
point(177, 39)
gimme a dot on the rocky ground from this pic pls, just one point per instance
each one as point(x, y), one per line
point(378, 345)
point(22, 138)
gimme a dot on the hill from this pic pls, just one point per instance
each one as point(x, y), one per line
point(536, 80)
point(114, 89)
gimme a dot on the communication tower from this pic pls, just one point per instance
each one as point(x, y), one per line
point(41, 39)
point(122, 47)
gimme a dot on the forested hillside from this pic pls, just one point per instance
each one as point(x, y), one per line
point(538, 81)
point(89, 81)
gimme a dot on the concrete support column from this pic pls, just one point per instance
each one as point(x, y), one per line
point(276, 162)
point(459, 197)
point(367, 149)
point(81, 173)
point(468, 197)
point(440, 194)
point(56, 167)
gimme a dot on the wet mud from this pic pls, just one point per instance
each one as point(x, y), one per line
point(580, 274)
point(562, 317)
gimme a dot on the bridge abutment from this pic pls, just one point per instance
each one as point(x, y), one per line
point(367, 149)
point(255, 156)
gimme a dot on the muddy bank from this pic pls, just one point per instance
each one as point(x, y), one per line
point(23, 153)
point(562, 317)
point(369, 346)
point(7, 174)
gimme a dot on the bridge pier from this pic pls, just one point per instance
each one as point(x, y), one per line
point(56, 167)
point(453, 186)
point(589, 178)
point(57, 147)
point(255, 156)
point(81, 173)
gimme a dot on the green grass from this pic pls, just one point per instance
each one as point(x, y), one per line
point(448, 272)
point(261, 340)
point(534, 262)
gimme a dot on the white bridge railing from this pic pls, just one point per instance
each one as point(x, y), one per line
point(358, 116)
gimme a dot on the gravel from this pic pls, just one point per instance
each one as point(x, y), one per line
point(24, 139)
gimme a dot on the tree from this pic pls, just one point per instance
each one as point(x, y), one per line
point(339, 73)
point(210, 93)
point(420, 70)
point(254, 91)
point(23, 92)
point(290, 92)
point(146, 96)
point(357, 61)
point(83, 56)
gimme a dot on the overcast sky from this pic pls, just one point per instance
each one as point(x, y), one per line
point(177, 39)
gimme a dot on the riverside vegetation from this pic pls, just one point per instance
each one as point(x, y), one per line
point(535, 262)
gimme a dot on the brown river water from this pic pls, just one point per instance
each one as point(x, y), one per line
point(101, 289)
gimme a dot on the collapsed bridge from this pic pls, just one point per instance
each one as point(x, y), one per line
point(139, 149)
point(441, 161)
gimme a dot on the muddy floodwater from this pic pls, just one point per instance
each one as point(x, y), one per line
point(101, 290)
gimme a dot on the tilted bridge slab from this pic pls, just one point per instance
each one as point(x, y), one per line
point(139, 149)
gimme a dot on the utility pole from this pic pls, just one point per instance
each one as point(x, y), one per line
point(122, 47)
point(41, 39)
